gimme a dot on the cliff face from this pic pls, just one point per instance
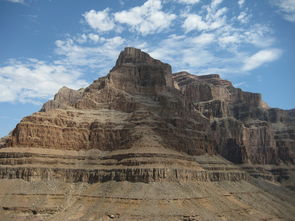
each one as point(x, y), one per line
point(140, 99)
point(136, 100)
point(191, 114)
point(245, 128)
point(143, 124)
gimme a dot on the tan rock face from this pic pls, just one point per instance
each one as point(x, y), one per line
point(115, 111)
point(64, 98)
point(143, 125)
point(246, 130)
point(202, 114)
point(133, 69)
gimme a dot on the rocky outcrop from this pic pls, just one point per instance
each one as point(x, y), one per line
point(125, 166)
point(132, 73)
point(137, 96)
point(188, 113)
point(146, 175)
point(246, 129)
point(65, 97)
point(191, 114)
point(143, 125)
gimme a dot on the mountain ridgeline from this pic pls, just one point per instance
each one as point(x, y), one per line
point(146, 130)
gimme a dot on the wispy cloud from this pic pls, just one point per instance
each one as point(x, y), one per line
point(32, 80)
point(89, 51)
point(210, 38)
point(146, 19)
point(209, 30)
point(260, 58)
point(99, 20)
point(203, 39)
point(214, 19)
point(17, 1)
point(215, 42)
point(188, 1)
point(243, 17)
point(286, 9)
point(241, 3)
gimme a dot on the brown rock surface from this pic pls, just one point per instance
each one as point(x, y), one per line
point(247, 130)
point(145, 144)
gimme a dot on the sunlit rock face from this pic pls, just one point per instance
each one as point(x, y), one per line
point(245, 128)
point(144, 138)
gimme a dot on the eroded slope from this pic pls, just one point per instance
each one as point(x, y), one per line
point(145, 144)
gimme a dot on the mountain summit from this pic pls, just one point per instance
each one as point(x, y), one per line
point(137, 71)
point(142, 143)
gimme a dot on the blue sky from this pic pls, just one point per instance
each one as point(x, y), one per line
point(46, 44)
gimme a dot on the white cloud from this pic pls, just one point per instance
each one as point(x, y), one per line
point(121, 2)
point(32, 80)
point(237, 36)
point(17, 1)
point(146, 19)
point(243, 18)
point(99, 20)
point(82, 38)
point(204, 39)
point(258, 35)
point(99, 56)
point(287, 9)
point(241, 2)
point(213, 19)
point(219, 45)
point(193, 22)
point(93, 37)
point(215, 3)
point(230, 39)
point(166, 48)
point(184, 52)
point(260, 58)
point(188, 1)
point(197, 58)
point(88, 38)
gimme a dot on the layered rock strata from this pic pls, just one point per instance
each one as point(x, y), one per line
point(246, 129)
point(179, 142)
point(125, 166)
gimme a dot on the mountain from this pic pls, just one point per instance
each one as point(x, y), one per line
point(144, 144)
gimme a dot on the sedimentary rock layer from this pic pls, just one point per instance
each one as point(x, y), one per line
point(167, 146)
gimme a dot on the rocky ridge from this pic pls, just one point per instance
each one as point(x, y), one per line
point(141, 124)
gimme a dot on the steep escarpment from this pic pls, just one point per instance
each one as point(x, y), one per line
point(166, 146)
point(246, 129)
point(135, 100)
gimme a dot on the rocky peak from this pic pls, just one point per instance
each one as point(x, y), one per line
point(64, 98)
point(135, 56)
point(137, 72)
point(131, 140)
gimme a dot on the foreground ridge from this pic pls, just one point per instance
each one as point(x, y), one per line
point(167, 146)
